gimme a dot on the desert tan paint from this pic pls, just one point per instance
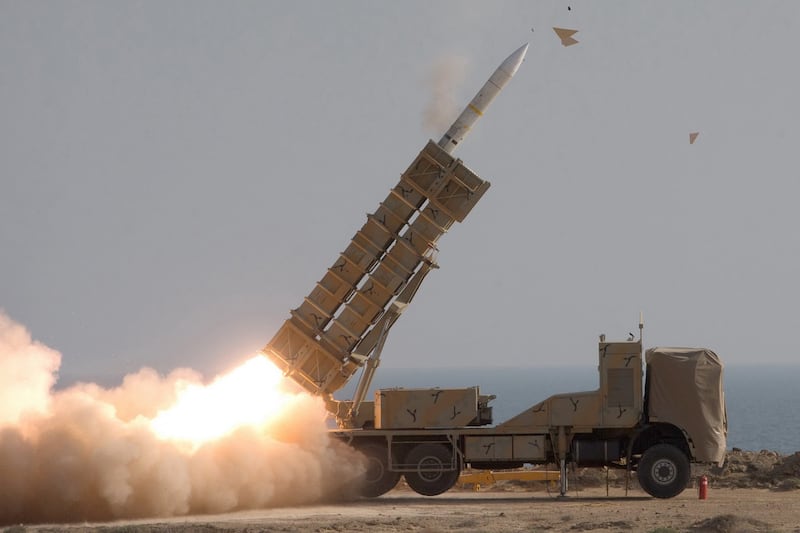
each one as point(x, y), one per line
point(426, 408)
point(616, 404)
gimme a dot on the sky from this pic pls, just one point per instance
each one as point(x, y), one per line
point(176, 176)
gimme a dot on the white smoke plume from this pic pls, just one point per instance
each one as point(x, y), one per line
point(443, 79)
point(90, 454)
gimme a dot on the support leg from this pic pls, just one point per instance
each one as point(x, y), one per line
point(562, 461)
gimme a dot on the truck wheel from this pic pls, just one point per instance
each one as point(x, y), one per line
point(378, 478)
point(663, 471)
point(433, 473)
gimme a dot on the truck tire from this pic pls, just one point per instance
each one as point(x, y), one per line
point(433, 474)
point(663, 471)
point(378, 479)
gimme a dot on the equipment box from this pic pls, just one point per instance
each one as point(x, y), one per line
point(426, 408)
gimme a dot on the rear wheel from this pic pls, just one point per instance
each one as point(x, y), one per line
point(378, 478)
point(663, 471)
point(433, 469)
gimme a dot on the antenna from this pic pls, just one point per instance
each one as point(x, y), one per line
point(641, 325)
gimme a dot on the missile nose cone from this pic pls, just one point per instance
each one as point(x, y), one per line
point(475, 109)
point(512, 62)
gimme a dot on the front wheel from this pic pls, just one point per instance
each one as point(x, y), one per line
point(433, 469)
point(663, 471)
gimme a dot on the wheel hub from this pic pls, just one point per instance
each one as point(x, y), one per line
point(375, 471)
point(430, 468)
point(664, 471)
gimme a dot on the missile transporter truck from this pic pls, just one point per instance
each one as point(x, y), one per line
point(653, 413)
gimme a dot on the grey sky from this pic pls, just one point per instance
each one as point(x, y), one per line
point(176, 176)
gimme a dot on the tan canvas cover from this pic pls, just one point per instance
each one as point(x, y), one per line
point(685, 389)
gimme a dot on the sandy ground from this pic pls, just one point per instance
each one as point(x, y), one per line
point(727, 510)
point(751, 492)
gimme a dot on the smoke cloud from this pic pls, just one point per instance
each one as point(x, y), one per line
point(443, 79)
point(89, 454)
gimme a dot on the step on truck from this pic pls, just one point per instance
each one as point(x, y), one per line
point(653, 415)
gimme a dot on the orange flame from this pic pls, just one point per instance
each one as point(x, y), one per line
point(249, 395)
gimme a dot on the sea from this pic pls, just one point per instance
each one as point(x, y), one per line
point(762, 402)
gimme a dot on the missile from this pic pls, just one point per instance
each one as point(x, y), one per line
point(478, 105)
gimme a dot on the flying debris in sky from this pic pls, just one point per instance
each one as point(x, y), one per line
point(693, 136)
point(566, 36)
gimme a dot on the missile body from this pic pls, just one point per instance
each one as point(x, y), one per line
point(478, 105)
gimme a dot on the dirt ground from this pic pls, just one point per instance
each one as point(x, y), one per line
point(751, 492)
point(726, 510)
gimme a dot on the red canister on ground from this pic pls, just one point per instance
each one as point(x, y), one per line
point(703, 488)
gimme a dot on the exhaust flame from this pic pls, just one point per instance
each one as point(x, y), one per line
point(158, 446)
point(247, 396)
